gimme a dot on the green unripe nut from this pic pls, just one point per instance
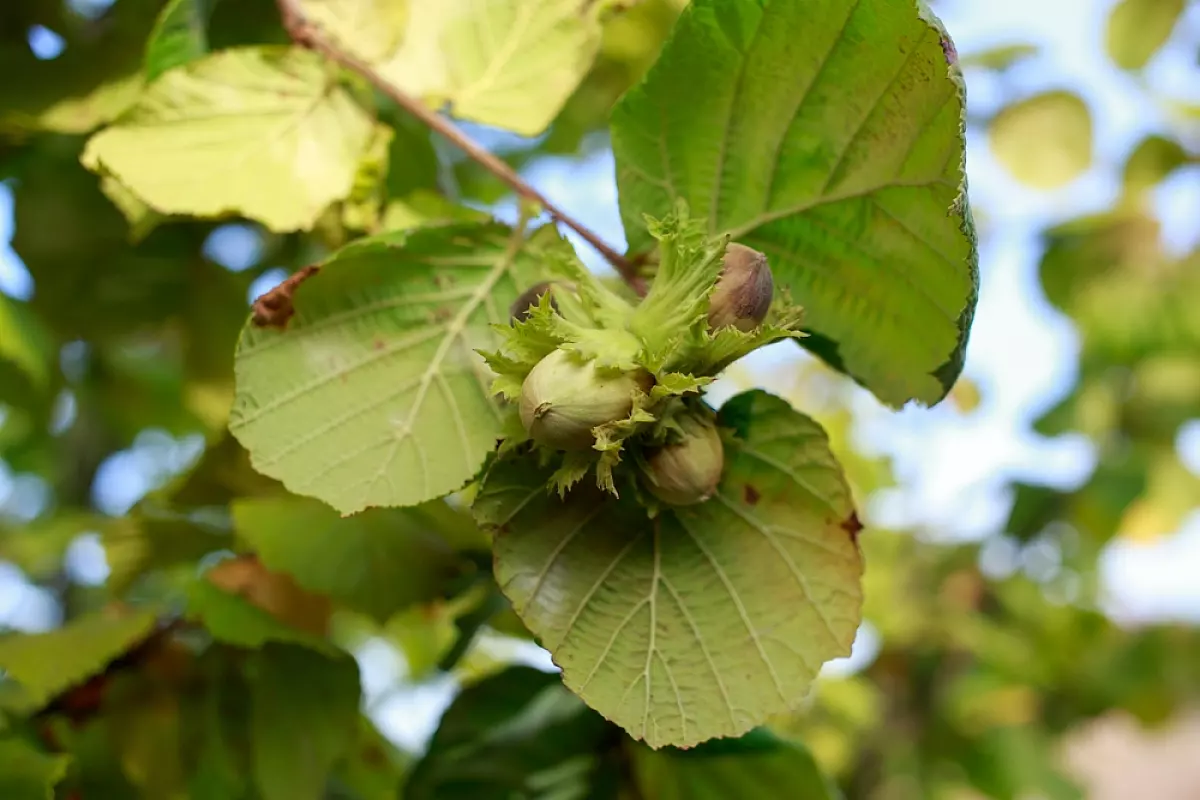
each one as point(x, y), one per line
point(743, 294)
point(565, 396)
point(688, 471)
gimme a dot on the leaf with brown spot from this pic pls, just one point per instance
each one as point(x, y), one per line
point(708, 619)
point(326, 411)
point(852, 526)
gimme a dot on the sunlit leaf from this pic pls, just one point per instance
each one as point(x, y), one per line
point(254, 116)
point(48, 663)
point(507, 63)
point(845, 168)
point(1045, 141)
point(86, 112)
point(374, 394)
point(1138, 28)
point(703, 621)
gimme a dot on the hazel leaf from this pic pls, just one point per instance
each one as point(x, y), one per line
point(253, 116)
point(377, 562)
point(45, 664)
point(846, 170)
point(1045, 141)
point(27, 773)
point(374, 394)
point(753, 766)
point(180, 36)
point(507, 63)
point(1137, 29)
point(708, 619)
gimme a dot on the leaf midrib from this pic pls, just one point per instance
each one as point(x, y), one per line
point(501, 56)
point(453, 331)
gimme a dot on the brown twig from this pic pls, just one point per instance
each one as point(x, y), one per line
point(307, 34)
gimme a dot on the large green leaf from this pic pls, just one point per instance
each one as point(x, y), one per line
point(518, 733)
point(377, 562)
point(507, 63)
point(46, 664)
point(374, 394)
point(29, 774)
point(702, 622)
point(303, 718)
point(756, 767)
point(272, 123)
point(1136, 29)
point(828, 135)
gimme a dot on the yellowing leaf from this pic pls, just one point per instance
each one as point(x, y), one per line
point(262, 132)
point(83, 113)
point(374, 395)
point(1138, 28)
point(702, 622)
point(507, 63)
point(1045, 141)
point(827, 135)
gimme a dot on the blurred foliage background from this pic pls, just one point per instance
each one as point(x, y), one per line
point(1031, 544)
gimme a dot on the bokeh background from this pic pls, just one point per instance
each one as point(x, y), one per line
point(1032, 543)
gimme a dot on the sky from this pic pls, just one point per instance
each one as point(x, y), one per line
point(951, 468)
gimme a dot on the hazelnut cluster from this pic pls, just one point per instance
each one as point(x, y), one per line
point(592, 374)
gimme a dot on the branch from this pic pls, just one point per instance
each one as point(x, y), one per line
point(307, 34)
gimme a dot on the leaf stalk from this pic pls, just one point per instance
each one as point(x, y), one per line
point(306, 33)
